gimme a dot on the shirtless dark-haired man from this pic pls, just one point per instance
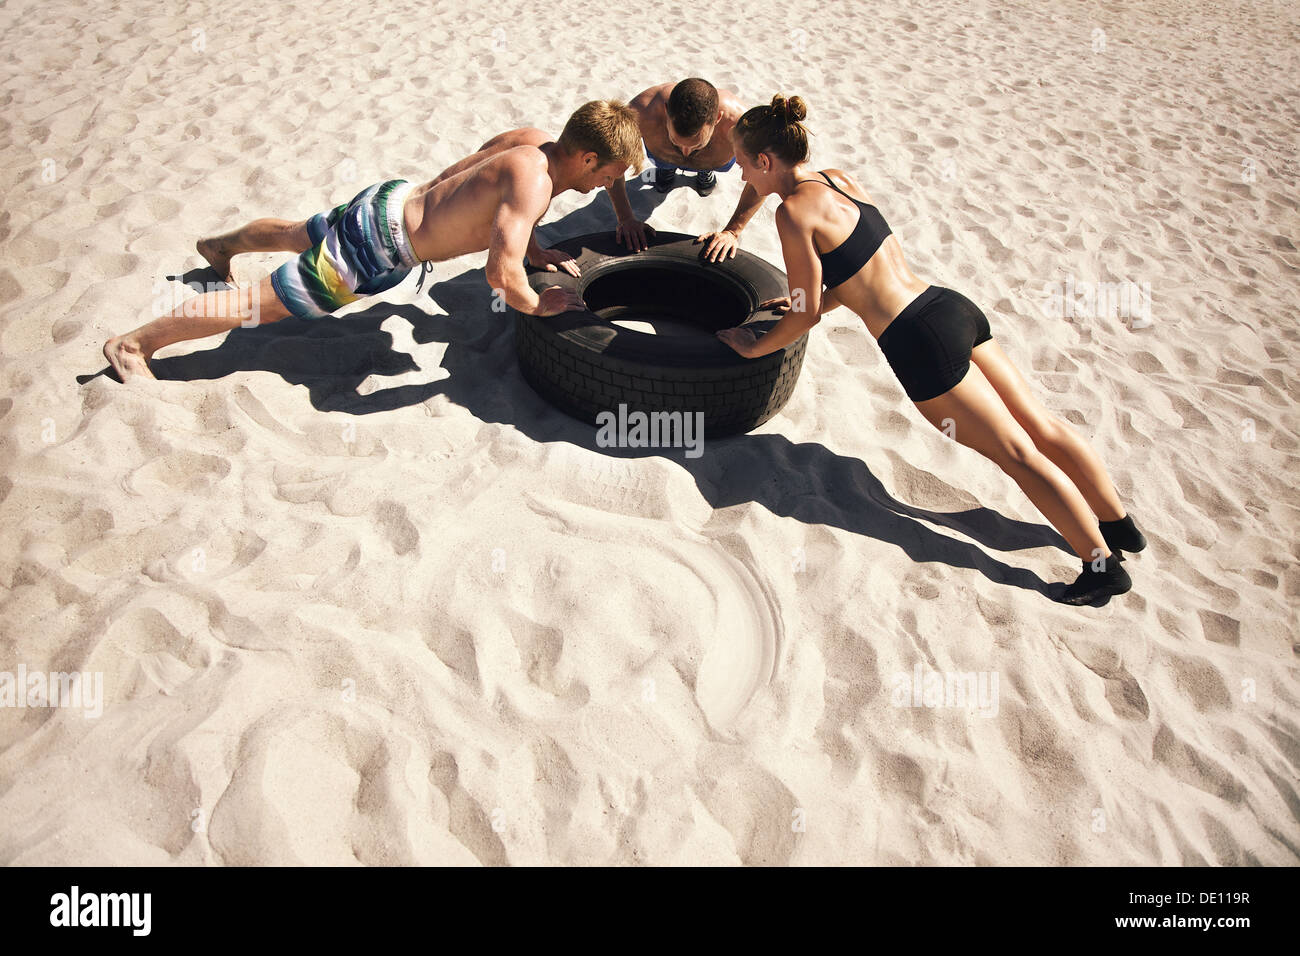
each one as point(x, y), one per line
point(687, 125)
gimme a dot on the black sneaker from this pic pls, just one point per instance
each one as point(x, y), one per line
point(1093, 585)
point(665, 179)
point(705, 182)
point(1122, 535)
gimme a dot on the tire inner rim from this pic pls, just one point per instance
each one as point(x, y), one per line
point(666, 299)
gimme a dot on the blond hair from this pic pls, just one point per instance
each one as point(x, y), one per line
point(607, 128)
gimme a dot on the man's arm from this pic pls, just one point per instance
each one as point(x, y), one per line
point(618, 199)
point(524, 199)
point(724, 243)
point(749, 203)
point(552, 260)
point(534, 250)
point(631, 231)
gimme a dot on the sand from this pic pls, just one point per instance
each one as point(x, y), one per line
point(355, 594)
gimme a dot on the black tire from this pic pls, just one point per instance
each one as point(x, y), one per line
point(584, 364)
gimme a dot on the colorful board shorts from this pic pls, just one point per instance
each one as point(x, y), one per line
point(358, 249)
point(661, 164)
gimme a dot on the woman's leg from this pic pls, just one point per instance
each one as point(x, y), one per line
point(983, 422)
point(200, 315)
point(260, 235)
point(1050, 435)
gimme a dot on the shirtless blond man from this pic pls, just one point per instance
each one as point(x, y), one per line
point(687, 125)
point(490, 201)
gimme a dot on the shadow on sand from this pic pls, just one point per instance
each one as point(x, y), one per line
point(332, 358)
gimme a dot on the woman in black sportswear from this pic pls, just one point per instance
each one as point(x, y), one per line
point(936, 340)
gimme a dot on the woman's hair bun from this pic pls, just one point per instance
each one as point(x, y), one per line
point(789, 109)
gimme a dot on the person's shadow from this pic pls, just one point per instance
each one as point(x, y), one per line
point(332, 358)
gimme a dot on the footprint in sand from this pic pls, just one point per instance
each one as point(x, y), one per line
point(1123, 692)
point(396, 526)
point(741, 658)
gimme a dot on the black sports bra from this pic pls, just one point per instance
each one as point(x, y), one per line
point(844, 261)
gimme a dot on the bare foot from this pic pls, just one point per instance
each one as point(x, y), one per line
point(126, 357)
point(217, 256)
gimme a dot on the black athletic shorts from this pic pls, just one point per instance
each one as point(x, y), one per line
point(929, 344)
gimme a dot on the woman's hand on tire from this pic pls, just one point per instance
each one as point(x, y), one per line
point(742, 340)
point(555, 300)
point(634, 234)
point(721, 245)
point(780, 304)
point(554, 260)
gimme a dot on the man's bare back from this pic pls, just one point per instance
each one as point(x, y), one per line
point(452, 214)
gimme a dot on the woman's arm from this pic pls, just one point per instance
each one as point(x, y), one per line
point(829, 301)
point(804, 271)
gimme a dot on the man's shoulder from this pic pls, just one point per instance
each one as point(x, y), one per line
point(733, 108)
point(524, 168)
point(528, 136)
point(653, 98)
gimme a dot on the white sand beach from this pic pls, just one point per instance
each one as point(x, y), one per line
point(355, 593)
